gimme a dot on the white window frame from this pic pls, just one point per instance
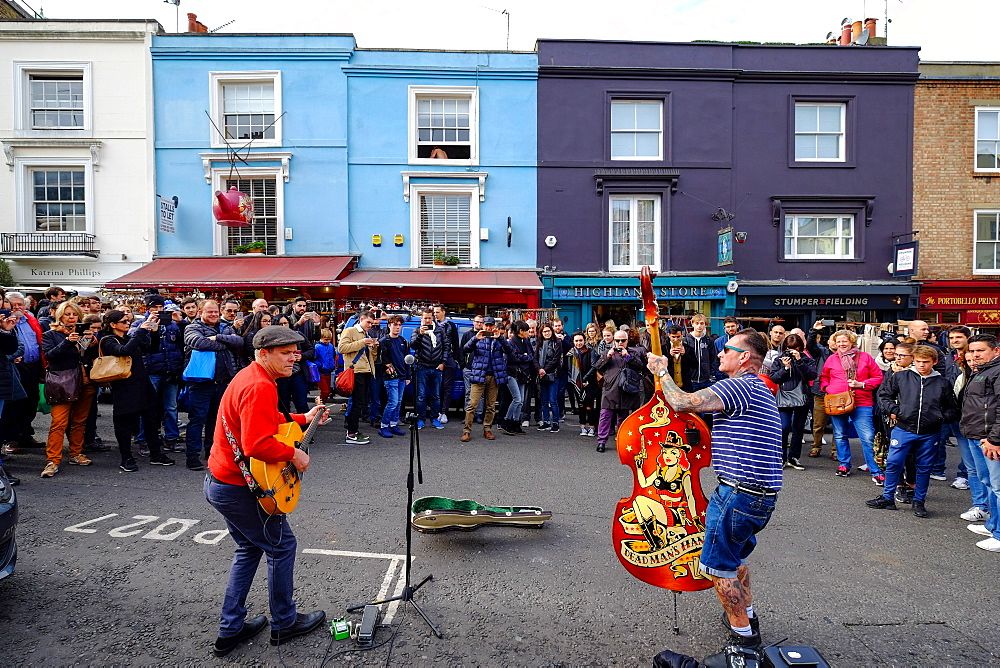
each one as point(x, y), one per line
point(633, 231)
point(220, 175)
point(24, 195)
point(659, 132)
point(842, 148)
point(976, 241)
point(216, 80)
point(24, 70)
point(975, 144)
point(815, 256)
point(472, 191)
point(466, 92)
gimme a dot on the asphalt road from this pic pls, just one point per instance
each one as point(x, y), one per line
point(130, 569)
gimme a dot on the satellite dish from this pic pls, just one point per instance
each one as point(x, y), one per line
point(862, 38)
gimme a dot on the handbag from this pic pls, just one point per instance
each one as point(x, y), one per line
point(345, 379)
point(200, 367)
point(110, 368)
point(63, 387)
point(629, 381)
point(43, 406)
point(313, 371)
point(794, 398)
point(839, 403)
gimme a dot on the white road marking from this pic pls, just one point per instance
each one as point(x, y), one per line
point(120, 532)
point(216, 536)
point(160, 533)
point(395, 561)
point(77, 528)
point(348, 553)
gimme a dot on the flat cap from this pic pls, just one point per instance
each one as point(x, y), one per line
point(276, 335)
point(489, 320)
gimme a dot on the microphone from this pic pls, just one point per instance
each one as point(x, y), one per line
point(409, 359)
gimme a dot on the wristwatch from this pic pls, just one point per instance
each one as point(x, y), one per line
point(662, 373)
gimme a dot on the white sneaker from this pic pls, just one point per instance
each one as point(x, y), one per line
point(975, 514)
point(583, 431)
point(980, 529)
point(960, 483)
point(442, 418)
point(991, 544)
point(526, 423)
point(590, 432)
point(823, 440)
point(863, 467)
point(938, 476)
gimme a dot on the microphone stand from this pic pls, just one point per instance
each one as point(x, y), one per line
point(409, 589)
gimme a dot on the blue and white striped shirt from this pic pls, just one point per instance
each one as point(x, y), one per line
point(746, 435)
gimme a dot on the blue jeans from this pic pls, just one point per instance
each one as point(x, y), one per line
point(516, 390)
point(428, 388)
point(731, 523)
point(988, 472)
point(861, 418)
point(270, 536)
point(167, 391)
point(394, 399)
point(980, 492)
point(549, 399)
point(203, 409)
point(950, 429)
point(924, 450)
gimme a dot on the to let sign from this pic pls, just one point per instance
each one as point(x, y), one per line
point(167, 208)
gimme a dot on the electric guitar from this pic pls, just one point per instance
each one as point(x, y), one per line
point(281, 481)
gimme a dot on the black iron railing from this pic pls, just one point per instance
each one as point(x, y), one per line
point(48, 243)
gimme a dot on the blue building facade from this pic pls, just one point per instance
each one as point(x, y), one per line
point(400, 161)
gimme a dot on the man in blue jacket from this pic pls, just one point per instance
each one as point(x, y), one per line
point(489, 353)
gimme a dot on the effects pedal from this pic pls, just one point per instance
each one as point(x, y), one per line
point(370, 617)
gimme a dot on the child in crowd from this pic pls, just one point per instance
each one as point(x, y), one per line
point(326, 360)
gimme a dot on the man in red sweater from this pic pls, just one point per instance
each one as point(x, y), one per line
point(248, 420)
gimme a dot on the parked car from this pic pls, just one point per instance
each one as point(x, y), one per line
point(8, 524)
point(410, 325)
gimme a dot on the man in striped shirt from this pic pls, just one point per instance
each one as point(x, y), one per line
point(746, 455)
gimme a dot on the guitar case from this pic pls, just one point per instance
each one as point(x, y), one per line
point(433, 514)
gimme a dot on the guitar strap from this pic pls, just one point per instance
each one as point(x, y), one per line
point(242, 461)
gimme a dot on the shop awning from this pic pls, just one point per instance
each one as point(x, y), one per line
point(237, 271)
point(445, 278)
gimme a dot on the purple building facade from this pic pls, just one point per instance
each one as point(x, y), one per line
point(757, 180)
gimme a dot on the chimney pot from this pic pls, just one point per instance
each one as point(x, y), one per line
point(845, 35)
point(870, 26)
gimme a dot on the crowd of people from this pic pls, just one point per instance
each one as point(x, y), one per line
point(904, 402)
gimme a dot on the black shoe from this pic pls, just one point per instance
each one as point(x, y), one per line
point(251, 627)
point(195, 465)
point(506, 428)
point(918, 509)
point(543, 426)
point(129, 466)
point(881, 503)
point(754, 623)
point(554, 428)
point(142, 448)
point(600, 447)
point(162, 460)
point(96, 446)
point(304, 623)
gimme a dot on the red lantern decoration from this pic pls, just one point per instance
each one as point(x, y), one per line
point(232, 209)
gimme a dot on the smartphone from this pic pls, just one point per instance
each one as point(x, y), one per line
point(82, 328)
point(4, 312)
point(240, 315)
point(829, 323)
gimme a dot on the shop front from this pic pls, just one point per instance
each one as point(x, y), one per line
point(801, 305)
point(583, 299)
point(975, 304)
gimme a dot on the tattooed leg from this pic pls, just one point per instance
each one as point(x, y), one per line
point(734, 599)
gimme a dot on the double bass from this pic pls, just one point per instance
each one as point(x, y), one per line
point(659, 530)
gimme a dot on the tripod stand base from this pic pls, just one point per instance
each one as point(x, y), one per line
point(406, 597)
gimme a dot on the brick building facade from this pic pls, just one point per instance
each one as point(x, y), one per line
point(956, 191)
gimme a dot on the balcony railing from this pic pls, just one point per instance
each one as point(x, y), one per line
point(48, 243)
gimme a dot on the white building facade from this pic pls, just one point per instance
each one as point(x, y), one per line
point(77, 192)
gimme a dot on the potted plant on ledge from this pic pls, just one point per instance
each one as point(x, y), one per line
point(443, 259)
point(252, 248)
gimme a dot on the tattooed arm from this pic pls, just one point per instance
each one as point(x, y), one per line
point(702, 401)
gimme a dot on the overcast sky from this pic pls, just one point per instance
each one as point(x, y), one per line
point(955, 30)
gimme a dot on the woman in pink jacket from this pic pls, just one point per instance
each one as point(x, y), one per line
point(851, 369)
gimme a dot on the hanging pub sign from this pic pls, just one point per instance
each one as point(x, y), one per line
point(233, 208)
point(905, 259)
point(725, 246)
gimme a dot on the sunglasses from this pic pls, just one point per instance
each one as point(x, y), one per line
point(739, 350)
point(622, 340)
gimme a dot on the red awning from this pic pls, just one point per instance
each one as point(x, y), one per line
point(237, 271)
point(445, 278)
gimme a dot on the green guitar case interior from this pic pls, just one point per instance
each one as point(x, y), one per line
point(431, 514)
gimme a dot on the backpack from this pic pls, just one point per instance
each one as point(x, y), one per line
point(629, 381)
